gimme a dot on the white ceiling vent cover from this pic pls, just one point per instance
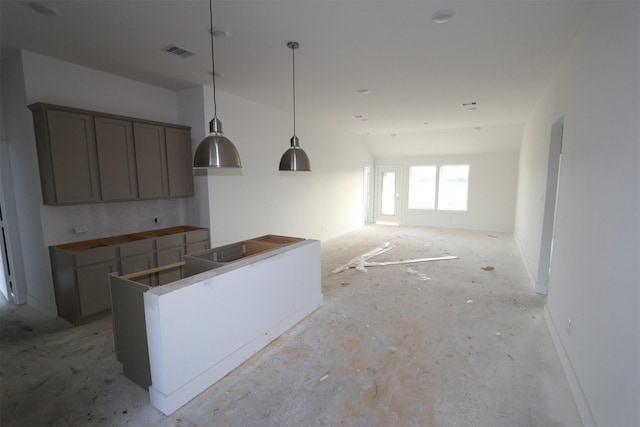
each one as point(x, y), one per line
point(178, 51)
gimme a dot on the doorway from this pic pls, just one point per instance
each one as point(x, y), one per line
point(367, 192)
point(550, 201)
point(388, 190)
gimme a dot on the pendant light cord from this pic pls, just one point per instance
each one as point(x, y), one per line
point(293, 51)
point(213, 66)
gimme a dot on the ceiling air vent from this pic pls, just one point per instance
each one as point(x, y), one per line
point(179, 51)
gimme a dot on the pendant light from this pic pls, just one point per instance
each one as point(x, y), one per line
point(215, 151)
point(294, 159)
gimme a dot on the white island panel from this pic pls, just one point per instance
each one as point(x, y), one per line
point(202, 327)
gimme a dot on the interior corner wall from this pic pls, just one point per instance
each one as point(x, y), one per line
point(492, 192)
point(258, 199)
point(593, 305)
point(191, 112)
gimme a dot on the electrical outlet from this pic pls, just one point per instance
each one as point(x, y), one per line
point(80, 229)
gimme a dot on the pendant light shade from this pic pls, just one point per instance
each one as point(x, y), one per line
point(215, 151)
point(294, 159)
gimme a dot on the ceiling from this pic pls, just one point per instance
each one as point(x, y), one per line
point(500, 54)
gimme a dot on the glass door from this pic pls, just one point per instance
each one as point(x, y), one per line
point(388, 191)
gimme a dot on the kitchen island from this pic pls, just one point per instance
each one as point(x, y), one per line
point(179, 338)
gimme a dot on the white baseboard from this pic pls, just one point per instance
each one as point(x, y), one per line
point(574, 383)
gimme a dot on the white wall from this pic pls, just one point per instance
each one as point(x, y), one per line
point(258, 199)
point(492, 192)
point(596, 252)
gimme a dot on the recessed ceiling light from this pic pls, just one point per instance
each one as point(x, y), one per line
point(219, 33)
point(44, 9)
point(442, 16)
point(364, 91)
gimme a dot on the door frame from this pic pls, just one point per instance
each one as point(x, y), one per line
point(550, 202)
point(379, 171)
point(367, 193)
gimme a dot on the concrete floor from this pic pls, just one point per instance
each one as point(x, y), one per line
point(467, 347)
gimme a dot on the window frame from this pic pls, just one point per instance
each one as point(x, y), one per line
point(437, 189)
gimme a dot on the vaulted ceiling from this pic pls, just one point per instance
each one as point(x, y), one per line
point(499, 54)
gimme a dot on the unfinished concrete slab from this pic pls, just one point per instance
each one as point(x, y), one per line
point(388, 347)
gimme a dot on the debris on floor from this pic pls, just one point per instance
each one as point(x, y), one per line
point(470, 301)
point(423, 277)
point(488, 268)
point(324, 378)
point(361, 262)
point(358, 261)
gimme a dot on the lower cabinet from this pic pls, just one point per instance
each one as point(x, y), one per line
point(138, 256)
point(93, 287)
point(81, 269)
point(137, 263)
point(166, 257)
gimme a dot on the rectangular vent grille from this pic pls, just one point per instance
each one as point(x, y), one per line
point(179, 51)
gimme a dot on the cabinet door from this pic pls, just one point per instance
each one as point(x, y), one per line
point(116, 159)
point(137, 263)
point(93, 287)
point(179, 162)
point(169, 256)
point(74, 161)
point(151, 161)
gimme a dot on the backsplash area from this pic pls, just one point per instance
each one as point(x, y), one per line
point(59, 223)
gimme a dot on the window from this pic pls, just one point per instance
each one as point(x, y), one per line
point(450, 181)
point(422, 187)
point(453, 187)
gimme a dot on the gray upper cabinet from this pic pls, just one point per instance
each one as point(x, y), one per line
point(89, 157)
point(179, 166)
point(116, 159)
point(67, 157)
point(151, 161)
